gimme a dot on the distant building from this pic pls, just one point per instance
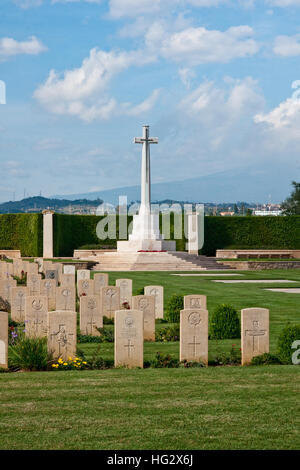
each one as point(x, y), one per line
point(264, 212)
point(227, 213)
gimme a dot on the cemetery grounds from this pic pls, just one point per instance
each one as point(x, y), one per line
point(218, 407)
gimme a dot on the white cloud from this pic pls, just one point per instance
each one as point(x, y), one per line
point(10, 47)
point(199, 46)
point(186, 75)
point(36, 3)
point(133, 8)
point(145, 106)
point(28, 3)
point(286, 115)
point(83, 92)
point(283, 3)
point(287, 46)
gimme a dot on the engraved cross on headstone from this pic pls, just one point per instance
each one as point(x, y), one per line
point(194, 344)
point(255, 333)
point(128, 346)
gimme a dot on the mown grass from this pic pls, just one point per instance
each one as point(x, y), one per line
point(213, 408)
point(283, 307)
point(204, 408)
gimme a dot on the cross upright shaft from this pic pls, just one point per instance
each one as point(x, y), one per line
point(145, 173)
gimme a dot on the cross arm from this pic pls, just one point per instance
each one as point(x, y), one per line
point(141, 140)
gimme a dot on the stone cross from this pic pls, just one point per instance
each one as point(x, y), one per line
point(146, 178)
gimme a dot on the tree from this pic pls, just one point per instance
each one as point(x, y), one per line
point(291, 206)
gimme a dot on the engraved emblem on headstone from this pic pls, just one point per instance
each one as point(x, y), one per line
point(154, 292)
point(61, 337)
point(194, 318)
point(92, 304)
point(129, 322)
point(195, 303)
point(37, 305)
point(143, 303)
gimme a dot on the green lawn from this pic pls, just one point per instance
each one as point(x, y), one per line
point(283, 307)
point(203, 408)
point(213, 408)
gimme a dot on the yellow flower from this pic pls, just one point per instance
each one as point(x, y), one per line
point(65, 363)
point(60, 360)
point(84, 362)
point(70, 359)
point(53, 365)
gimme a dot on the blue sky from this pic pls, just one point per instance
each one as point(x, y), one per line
point(213, 78)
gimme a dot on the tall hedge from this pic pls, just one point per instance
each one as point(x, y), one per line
point(22, 232)
point(255, 232)
point(74, 231)
point(25, 232)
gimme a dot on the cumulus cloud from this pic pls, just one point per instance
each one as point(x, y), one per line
point(10, 47)
point(287, 46)
point(286, 115)
point(83, 92)
point(197, 46)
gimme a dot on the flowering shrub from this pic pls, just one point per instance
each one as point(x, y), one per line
point(228, 359)
point(164, 360)
point(70, 364)
point(169, 333)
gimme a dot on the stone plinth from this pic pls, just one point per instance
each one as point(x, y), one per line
point(48, 234)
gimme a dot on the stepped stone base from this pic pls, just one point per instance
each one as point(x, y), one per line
point(149, 261)
point(134, 246)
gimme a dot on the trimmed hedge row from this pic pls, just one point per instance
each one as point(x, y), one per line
point(265, 233)
point(22, 232)
point(74, 231)
point(25, 232)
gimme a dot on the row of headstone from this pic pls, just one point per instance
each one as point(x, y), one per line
point(60, 329)
point(129, 335)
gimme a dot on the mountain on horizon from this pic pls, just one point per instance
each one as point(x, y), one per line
point(256, 186)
